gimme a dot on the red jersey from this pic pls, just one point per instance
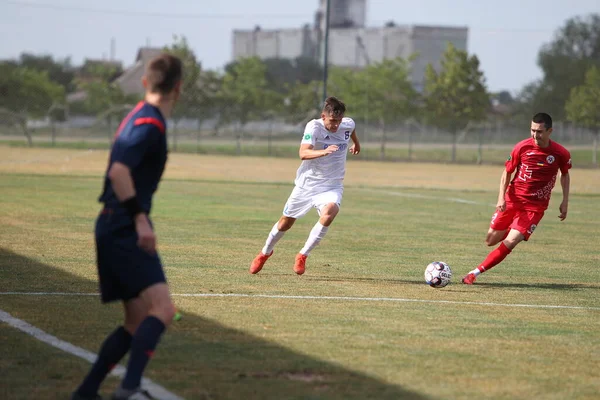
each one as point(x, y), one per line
point(537, 169)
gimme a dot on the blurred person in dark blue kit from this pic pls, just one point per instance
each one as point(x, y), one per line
point(129, 267)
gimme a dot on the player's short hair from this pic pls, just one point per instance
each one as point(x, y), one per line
point(334, 107)
point(163, 73)
point(543, 118)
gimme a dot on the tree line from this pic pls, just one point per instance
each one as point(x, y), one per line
point(453, 96)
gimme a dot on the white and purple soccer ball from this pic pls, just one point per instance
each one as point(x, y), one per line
point(438, 274)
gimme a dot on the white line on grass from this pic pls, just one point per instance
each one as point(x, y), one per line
point(119, 371)
point(424, 196)
point(338, 298)
point(440, 198)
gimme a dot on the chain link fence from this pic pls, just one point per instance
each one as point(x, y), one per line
point(479, 143)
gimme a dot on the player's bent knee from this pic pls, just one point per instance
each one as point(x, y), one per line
point(165, 313)
point(491, 241)
point(330, 211)
point(164, 310)
point(158, 301)
point(285, 223)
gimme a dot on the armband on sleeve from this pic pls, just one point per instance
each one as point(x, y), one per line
point(133, 206)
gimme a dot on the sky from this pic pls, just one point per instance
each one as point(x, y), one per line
point(505, 35)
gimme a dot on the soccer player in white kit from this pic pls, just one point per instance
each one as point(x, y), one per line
point(319, 180)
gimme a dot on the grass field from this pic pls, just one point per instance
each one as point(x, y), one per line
point(361, 323)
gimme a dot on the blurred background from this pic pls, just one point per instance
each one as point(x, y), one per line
point(436, 81)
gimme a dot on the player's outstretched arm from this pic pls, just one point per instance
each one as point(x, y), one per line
point(565, 183)
point(308, 152)
point(355, 148)
point(122, 183)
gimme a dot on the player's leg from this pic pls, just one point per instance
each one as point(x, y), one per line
point(118, 342)
point(328, 206)
point(498, 231)
point(496, 256)
point(297, 205)
point(276, 233)
point(283, 225)
point(521, 228)
point(149, 314)
point(494, 237)
point(499, 226)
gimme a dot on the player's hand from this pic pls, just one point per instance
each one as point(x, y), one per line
point(331, 149)
point(563, 210)
point(146, 236)
point(355, 149)
point(501, 205)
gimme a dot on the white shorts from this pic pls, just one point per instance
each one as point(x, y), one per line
point(302, 200)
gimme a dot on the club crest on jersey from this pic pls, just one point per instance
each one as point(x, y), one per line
point(550, 159)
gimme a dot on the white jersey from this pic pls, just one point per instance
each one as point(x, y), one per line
point(328, 171)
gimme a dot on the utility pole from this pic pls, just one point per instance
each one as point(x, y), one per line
point(326, 49)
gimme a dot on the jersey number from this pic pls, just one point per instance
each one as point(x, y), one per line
point(524, 173)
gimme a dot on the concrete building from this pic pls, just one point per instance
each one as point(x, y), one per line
point(351, 43)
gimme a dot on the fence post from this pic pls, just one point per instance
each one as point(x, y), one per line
point(269, 136)
point(480, 135)
point(198, 136)
point(409, 129)
point(383, 138)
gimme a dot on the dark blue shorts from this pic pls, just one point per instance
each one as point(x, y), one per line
point(124, 269)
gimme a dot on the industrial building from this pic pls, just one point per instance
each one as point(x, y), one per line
point(351, 43)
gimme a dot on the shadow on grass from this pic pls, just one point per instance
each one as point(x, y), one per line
point(197, 359)
point(550, 286)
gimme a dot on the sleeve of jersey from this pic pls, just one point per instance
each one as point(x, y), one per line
point(309, 134)
point(130, 149)
point(513, 160)
point(566, 164)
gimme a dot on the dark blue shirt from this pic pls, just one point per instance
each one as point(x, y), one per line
point(141, 144)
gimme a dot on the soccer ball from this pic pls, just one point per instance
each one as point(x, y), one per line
point(438, 274)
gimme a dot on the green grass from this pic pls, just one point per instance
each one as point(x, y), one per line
point(286, 348)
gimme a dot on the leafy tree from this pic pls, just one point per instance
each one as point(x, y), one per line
point(246, 93)
point(301, 102)
point(199, 88)
point(103, 97)
point(283, 73)
point(26, 93)
point(583, 106)
point(456, 95)
point(391, 97)
point(503, 97)
point(59, 71)
point(564, 62)
point(102, 92)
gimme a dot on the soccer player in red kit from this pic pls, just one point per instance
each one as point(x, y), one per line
point(522, 203)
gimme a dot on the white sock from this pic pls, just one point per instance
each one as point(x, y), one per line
point(475, 272)
point(316, 234)
point(272, 239)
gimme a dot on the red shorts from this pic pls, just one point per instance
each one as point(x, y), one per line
point(514, 218)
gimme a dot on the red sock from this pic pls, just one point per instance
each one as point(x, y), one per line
point(495, 257)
